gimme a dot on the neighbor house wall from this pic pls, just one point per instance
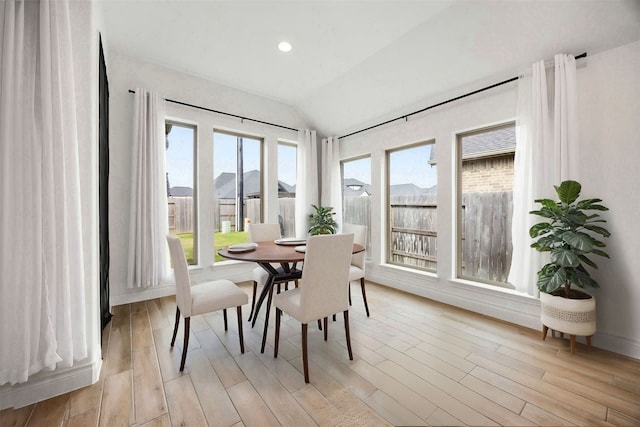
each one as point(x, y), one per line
point(127, 73)
point(609, 89)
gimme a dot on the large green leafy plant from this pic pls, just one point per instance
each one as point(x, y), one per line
point(571, 235)
point(321, 221)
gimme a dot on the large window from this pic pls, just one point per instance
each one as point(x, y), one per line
point(287, 168)
point(412, 214)
point(356, 194)
point(485, 187)
point(180, 149)
point(237, 171)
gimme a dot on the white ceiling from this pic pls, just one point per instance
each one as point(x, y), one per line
point(354, 63)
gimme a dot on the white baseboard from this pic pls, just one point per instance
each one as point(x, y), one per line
point(503, 305)
point(45, 385)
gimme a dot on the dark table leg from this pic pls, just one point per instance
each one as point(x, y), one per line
point(287, 274)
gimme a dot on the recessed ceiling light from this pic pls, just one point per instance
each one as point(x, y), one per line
point(284, 46)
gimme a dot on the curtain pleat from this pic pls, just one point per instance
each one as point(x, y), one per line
point(148, 259)
point(43, 316)
point(306, 180)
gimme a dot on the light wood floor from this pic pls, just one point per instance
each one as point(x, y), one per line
point(416, 362)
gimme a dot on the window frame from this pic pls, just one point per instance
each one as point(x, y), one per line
point(458, 164)
point(194, 191)
point(388, 249)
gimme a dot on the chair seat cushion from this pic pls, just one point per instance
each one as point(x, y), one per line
point(216, 295)
point(355, 273)
point(260, 275)
point(289, 302)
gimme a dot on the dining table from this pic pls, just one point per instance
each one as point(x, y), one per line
point(286, 252)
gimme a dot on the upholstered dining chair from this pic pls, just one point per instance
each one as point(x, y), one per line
point(356, 270)
point(322, 292)
point(261, 232)
point(201, 298)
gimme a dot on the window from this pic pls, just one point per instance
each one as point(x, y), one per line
point(237, 171)
point(180, 149)
point(356, 194)
point(412, 213)
point(287, 168)
point(485, 182)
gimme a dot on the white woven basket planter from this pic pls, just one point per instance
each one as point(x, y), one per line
point(571, 316)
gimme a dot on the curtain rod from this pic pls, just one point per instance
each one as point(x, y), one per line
point(405, 116)
point(225, 113)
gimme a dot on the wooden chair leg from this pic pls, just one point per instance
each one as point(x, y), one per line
point(319, 324)
point(277, 340)
point(175, 327)
point(224, 314)
point(346, 332)
point(545, 329)
point(364, 296)
point(239, 312)
point(305, 356)
point(187, 321)
point(589, 342)
point(253, 300)
point(572, 341)
point(349, 287)
point(326, 328)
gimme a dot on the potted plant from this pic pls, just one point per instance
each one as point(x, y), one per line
point(571, 235)
point(321, 221)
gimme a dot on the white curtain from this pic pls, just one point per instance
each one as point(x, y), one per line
point(149, 224)
point(306, 180)
point(42, 301)
point(565, 122)
point(543, 158)
point(332, 177)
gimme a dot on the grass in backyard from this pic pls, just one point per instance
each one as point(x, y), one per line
point(220, 239)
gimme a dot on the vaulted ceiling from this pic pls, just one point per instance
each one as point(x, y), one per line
point(354, 63)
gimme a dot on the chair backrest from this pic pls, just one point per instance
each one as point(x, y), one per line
point(359, 237)
point(181, 273)
point(263, 232)
point(326, 270)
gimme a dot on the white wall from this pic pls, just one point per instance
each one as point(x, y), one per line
point(47, 384)
point(609, 110)
point(609, 90)
point(128, 73)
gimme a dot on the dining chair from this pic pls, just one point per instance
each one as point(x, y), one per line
point(202, 297)
point(260, 232)
point(356, 270)
point(322, 292)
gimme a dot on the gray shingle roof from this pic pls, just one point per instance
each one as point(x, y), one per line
point(485, 144)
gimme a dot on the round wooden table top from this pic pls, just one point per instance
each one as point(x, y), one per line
point(269, 251)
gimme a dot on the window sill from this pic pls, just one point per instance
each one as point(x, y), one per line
point(470, 284)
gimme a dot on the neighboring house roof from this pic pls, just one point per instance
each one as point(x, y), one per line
point(181, 192)
point(411, 189)
point(225, 185)
point(355, 188)
point(486, 144)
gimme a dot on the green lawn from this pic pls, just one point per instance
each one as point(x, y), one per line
point(220, 239)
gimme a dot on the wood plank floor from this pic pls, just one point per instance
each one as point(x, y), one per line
point(416, 362)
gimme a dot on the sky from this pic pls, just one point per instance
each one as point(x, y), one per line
point(407, 166)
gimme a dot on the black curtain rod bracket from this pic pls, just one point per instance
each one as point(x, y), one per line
point(406, 116)
point(242, 118)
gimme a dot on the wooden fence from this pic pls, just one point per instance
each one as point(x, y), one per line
point(486, 228)
point(181, 214)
